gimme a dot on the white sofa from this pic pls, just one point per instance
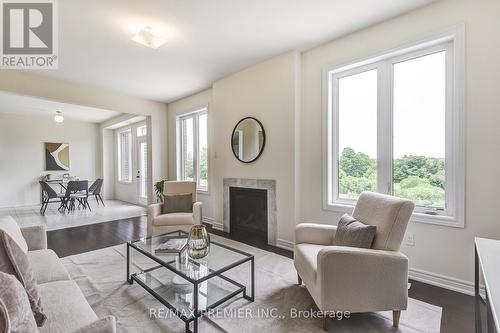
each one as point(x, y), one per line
point(353, 279)
point(66, 308)
point(159, 223)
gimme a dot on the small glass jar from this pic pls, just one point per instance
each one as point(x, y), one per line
point(198, 242)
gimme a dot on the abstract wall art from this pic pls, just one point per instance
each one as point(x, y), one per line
point(56, 156)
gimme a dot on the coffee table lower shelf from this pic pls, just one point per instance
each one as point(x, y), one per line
point(190, 298)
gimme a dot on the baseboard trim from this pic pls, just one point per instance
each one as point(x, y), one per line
point(211, 221)
point(284, 244)
point(443, 281)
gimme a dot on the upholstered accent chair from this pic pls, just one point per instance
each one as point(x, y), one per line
point(353, 279)
point(159, 223)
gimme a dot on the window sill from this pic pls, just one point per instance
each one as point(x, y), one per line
point(203, 192)
point(442, 220)
point(125, 182)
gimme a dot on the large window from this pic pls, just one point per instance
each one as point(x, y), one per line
point(125, 156)
point(193, 148)
point(394, 126)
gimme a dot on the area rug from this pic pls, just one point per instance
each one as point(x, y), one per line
point(54, 220)
point(278, 302)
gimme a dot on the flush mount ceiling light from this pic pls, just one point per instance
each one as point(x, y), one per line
point(149, 38)
point(58, 117)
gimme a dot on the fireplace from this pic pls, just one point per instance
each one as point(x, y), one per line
point(248, 214)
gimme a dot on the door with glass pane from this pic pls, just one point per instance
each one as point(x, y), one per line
point(142, 171)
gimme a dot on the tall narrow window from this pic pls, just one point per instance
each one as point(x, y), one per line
point(188, 149)
point(143, 169)
point(357, 118)
point(124, 156)
point(193, 148)
point(395, 126)
point(202, 151)
point(419, 129)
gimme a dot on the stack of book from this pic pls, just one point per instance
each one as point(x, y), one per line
point(174, 245)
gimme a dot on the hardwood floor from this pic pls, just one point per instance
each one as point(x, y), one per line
point(458, 309)
point(70, 241)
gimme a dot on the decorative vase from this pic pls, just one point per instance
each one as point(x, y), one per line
point(198, 242)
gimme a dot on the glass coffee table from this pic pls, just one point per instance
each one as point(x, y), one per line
point(191, 287)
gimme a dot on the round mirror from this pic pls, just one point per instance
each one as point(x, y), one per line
point(248, 140)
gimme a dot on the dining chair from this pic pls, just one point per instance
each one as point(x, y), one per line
point(48, 193)
point(95, 190)
point(77, 190)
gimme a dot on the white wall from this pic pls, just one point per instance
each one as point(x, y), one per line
point(266, 91)
point(439, 250)
point(108, 153)
point(25, 83)
point(22, 154)
point(273, 89)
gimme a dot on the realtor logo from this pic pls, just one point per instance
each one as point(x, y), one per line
point(29, 34)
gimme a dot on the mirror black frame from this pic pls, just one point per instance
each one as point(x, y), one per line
point(263, 140)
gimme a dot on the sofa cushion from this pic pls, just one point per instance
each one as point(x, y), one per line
point(306, 257)
point(173, 219)
point(351, 232)
point(178, 203)
point(15, 311)
point(65, 306)
point(10, 226)
point(47, 266)
point(14, 261)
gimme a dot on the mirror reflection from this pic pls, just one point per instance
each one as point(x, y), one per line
point(248, 140)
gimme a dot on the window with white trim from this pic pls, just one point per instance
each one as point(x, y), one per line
point(394, 126)
point(125, 156)
point(142, 131)
point(192, 143)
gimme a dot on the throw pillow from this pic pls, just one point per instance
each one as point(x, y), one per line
point(179, 203)
point(10, 226)
point(351, 232)
point(15, 312)
point(14, 261)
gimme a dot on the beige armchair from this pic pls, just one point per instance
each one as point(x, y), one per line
point(159, 223)
point(353, 279)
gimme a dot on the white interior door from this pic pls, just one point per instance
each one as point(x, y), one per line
point(142, 169)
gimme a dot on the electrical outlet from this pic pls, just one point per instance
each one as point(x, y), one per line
point(410, 239)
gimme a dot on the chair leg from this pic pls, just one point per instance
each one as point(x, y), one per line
point(41, 208)
point(44, 206)
point(88, 205)
point(326, 322)
point(101, 200)
point(299, 280)
point(395, 318)
point(96, 199)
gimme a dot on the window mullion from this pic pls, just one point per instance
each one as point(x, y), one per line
point(384, 128)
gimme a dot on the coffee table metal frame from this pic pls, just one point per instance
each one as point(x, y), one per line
point(195, 282)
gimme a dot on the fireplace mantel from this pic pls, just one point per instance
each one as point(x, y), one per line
point(264, 184)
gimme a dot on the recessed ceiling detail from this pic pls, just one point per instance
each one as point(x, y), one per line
point(207, 40)
point(59, 111)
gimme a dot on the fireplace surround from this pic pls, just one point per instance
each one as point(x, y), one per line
point(260, 184)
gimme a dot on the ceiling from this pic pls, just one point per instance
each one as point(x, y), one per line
point(208, 39)
point(33, 106)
